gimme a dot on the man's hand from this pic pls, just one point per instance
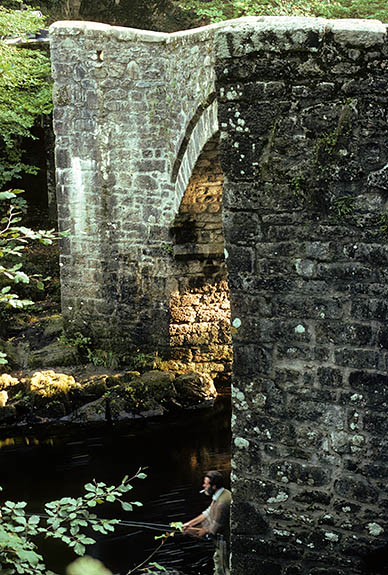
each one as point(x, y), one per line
point(195, 531)
point(186, 527)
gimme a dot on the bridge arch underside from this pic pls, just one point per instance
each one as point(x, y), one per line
point(303, 113)
point(199, 303)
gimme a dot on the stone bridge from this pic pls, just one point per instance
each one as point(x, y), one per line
point(301, 134)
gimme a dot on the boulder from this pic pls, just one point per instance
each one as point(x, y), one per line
point(55, 354)
point(118, 409)
point(17, 353)
point(121, 377)
point(95, 385)
point(7, 414)
point(90, 389)
point(92, 412)
point(54, 409)
point(54, 327)
point(111, 408)
point(7, 380)
point(13, 386)
point(194, 388)
point(49, 389)
point(49, 383)
point(120, 396)
point(152, 390)
point(3, 398)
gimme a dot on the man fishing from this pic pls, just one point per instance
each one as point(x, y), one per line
point(215, 520)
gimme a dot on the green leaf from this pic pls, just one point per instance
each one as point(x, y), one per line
point(34, 520)
point(28, 556)
point(7, 195)
point(79, 549)
point(21, 277)
point(157, 566)
point(88, 540)
point(126, 506)
point(100, 528)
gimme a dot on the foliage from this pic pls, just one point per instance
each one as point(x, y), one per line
point(218, 10)
point(17, 22)
point(83, 345)
point(104, 358)
point(13, 240)
point(343, 207)
point(78, 340)
point(144, 361)
point(177, 527)
point(66, 519)
point(25, 89)
point(88, 566)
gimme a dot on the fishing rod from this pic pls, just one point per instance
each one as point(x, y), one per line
point(143, 524)
point(153, 526)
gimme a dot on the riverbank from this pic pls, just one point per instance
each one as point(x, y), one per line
point(52, 378)
point(90, 395)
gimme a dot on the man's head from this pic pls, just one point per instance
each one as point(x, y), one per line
point(212, 481)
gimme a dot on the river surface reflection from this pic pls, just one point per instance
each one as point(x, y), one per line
point(41, 466)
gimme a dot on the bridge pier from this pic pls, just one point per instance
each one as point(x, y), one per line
point(303, 116)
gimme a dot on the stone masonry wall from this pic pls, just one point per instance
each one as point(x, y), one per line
point(199, 307)
point(132, 112)
point(303, 112)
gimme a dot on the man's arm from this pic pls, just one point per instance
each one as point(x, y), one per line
point(199, 519)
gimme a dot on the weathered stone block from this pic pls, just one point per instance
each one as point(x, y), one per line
point(356, 490)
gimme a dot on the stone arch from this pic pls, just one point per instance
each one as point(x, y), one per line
point(199, 303)
point(201, 128)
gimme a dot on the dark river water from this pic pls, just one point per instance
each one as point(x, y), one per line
point(42, 466)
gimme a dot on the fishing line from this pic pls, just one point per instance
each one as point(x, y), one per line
point(143, 524)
